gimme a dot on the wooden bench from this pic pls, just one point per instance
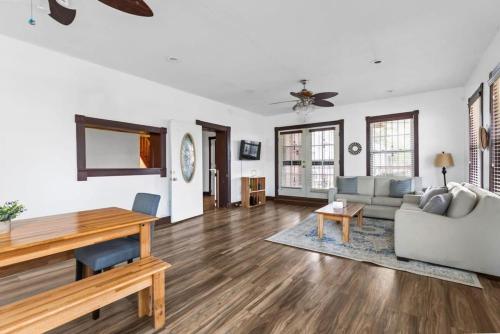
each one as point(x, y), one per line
point(53, 308)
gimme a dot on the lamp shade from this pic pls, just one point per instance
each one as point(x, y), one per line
point(444, 160)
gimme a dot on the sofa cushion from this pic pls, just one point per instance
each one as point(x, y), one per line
point(363, 199)
point(387, 201)
point(429, 193)
point(410, 206)
point(399, 188)
point(347, 185)
point(366, 185)
point(462, 203)
point(438, 204)
point(380, 211)
point(383, 184)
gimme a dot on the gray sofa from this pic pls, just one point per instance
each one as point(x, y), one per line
point(373, 191)
point(471, 242)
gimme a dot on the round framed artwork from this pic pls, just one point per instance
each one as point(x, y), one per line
point(355, 148)
point(188, 157)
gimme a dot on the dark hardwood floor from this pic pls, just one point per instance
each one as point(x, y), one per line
point(226, 279)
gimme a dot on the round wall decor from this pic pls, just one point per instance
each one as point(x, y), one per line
point(188, 157)
point(355, 148)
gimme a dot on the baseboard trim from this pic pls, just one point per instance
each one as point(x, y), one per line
point(304, 201)
point(164, 220)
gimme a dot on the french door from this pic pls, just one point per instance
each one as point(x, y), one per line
point(308, 161)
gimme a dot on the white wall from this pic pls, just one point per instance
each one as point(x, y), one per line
point(42, 90)
point(440, 122)
point(111, 149)
point(487, 63)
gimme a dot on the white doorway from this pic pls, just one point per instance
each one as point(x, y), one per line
point(309, 159)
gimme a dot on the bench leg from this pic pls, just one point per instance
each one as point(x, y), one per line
point(79, 271)
point(144, 302)
point(159, 300)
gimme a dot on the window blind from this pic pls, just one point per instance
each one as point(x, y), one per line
point(475, 122)
point(495, 131)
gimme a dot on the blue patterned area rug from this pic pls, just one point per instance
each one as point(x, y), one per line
point(373, 242)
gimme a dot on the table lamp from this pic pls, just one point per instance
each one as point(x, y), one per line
point(444, 160)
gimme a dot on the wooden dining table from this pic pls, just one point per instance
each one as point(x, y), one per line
point(41, 238)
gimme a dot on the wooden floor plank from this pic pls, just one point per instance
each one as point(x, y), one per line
point(225, 278)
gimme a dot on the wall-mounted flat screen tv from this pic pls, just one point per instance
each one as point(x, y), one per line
point(250, 150)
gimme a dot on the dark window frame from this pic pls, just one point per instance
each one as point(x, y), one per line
point(478, 94)
point(493, 78)
point(84, 122)
point(394, 117)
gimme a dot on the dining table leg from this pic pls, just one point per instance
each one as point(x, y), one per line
point(144, 296)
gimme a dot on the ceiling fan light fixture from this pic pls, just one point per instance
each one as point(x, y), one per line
point(134, 7)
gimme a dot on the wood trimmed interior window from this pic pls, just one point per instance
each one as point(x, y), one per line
point(495, 130)
point(475, 122)
point(291, 169)
point(151, 154)
point(392, 145)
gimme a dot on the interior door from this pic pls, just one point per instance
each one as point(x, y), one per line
point(186, 195)
point(322, 161)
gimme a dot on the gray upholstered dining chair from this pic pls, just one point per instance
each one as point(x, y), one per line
point(103, 256)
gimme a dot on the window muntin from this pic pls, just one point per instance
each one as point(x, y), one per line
point(392, 146)
point(475, 122)
point(291, 169)
point(495, 134)
point(322, 158)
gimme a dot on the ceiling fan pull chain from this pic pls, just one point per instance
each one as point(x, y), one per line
point(31, 20)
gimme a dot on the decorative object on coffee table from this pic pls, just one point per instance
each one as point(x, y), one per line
point(355, 148)
point(444, 160)
point(343, 216)
point(9, 211)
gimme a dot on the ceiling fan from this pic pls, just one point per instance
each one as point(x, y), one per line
point(306, 98)
point(62, 13)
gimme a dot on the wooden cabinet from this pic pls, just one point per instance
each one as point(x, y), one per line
point(253, 191)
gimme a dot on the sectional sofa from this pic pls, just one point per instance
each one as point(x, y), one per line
point(373, 191)
point(470, 242)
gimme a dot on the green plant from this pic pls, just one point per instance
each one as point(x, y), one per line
point(10, 210)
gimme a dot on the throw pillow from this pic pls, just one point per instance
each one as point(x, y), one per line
point(347, 185)
point(399, 188)
point(438, 204)
point(462, 203)
point(430, 193)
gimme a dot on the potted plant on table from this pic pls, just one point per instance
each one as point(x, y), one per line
point(9, 211)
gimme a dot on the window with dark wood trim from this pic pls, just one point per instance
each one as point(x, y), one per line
point(152, 148)
point(475, 122)
point(494, 83)
point(392, 145)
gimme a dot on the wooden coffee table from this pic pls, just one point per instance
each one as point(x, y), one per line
point(343, 216)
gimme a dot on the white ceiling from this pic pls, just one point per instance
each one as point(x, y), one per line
point(251, 53)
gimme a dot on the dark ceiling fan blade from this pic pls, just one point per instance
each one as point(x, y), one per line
point(325, 95)
point(134, 7)
point(61, 14)
point(323, 103)
point(284, 102)
point(297, 95)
